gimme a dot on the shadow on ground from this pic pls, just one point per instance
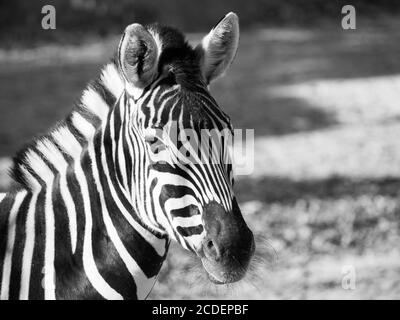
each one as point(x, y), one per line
point(285, 190)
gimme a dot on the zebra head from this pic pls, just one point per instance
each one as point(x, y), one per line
point(182, 192)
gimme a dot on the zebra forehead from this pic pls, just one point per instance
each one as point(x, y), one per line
point(191, 109)
point(181, 93)
point(177, 56)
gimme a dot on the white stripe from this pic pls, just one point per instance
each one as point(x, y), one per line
point(12, 225)
point(49, 272)
point(29, 240)
point(187, 221)
point(150, 105)
point(112, 80)
point(95, 104)
point(71, 211)
point(28, 250)
point(2, 196)
point(178, 203)
point(158, 42)
point(121, 157)
point(133, 91)
point(196, 240)
point(83, 126)
point(89, 264)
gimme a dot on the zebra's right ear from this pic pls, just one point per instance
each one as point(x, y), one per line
point(138, 56)
point(218, 48)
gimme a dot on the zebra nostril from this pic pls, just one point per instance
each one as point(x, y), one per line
point(212, 250)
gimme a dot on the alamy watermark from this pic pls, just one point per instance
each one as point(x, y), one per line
point(349, 277)
point(187, 146)
point(349, 18)
point(49, 18)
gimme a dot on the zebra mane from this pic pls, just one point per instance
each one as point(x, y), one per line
point(35, 161)
point(32, 161)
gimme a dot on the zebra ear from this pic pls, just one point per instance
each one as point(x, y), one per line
point(218, 49)
point(138, 56)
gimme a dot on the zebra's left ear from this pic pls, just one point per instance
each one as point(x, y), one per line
point(218, 48)
point(138, 56)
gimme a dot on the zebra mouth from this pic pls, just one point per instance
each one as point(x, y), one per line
point(214, 279)
point(225, 278)
point(208, 267)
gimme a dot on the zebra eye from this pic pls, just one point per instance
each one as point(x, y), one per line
point(150, 138)
point(151, 135)
point(156, 144)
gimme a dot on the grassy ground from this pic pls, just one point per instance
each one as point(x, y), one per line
point(324, 194)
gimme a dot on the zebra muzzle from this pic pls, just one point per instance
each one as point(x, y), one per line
point(228, 245)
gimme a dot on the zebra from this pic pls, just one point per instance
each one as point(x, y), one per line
point(101, 196)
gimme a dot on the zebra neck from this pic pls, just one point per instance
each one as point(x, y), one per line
point(58, 154)
point(94, 122)
point(66, 141)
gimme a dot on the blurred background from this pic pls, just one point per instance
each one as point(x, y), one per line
point(324, 102)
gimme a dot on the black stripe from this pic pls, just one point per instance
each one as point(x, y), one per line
point(117, 128)
point(5, 207)
point(36, 290)
point(103, 91)
point(127, 155)
point(63, 258)
point(19, 245)
point(186, 212)
point(189, 231)
point(90, 117)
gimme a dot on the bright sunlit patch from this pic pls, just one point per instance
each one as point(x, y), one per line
point(365, 131)
point(351, 151)
point(357, 100)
